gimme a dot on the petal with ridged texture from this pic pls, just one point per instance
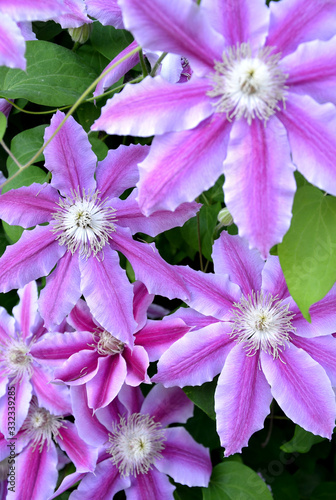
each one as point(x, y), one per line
point(106, 384)
point(167, 406)
point(81, 454)
point(153, 484)
point(55, 398)
point(25, 313)
point(108, 13)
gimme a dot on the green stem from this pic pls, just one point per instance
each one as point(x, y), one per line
point(8, 151)
point(199, 241)
point(157, 64)
point(70, 112)
point(143, 64)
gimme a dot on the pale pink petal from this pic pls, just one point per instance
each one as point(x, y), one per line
point(311, 131)
point(156, 106)
point(311, 70)
point(25, 312)
point(109, 294)
point(129, 215)
point(12, 44)
point(137, 364)
point(119, 170)
point(152, 485)
point(74, 14)
point(180, 28)
point(23, 394)
point(295, 21)
point(168, 406)
point(196, 358)
point(232, 256)
point(81, 454)
point(79, 368)
point(141, 301)
point(69, 156)
point(55, 398)
point(33, 256)
point(242, 400)
point(259, 182)
point(67, 482)
point(176, 171)
point(108, 13)
point(31, 10)
point(106, 384)
point(56, 348)
point(80, 317)
point(186, 461)
point(29, 206)
point(302, 389)
point(273, 279)
point(157, 336)
point(131, 398)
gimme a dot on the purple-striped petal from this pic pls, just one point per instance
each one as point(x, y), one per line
point(242, 400)
point(196, 358)
point(106, 384)
point(238, 21)
point(31, 10)
point(7, 325)
point(56, 348)
point(61, 292)
point(311, 131)
point(103, 484)
point(159, 277)
point(80, 317)
point(176, 171)
point(157, 336)
point(29, 206)
point(79, 368)
point(156, 106)
point(186, 461)
point(141, 301)
point(74, 14)
point(311, 70)
point(23, 394)
point(259, 182)
point(232, 256)
point(88, 426)
point(25, 312)
point(81, 454)
point(153, 484)
point(129, 215)
point(210, 294)
point(108, 13)
point(12, 44)
point(119, 71)
point(137, 364)
point(180, 28)
point(55, 398)
point(273, 279)
point(323, 350)
point(109, 294)
point(67, 482)
point(69, 156)
point(130, 397)
point(36, 473)
point(168, 406)
point(33, 256)
point(119, 170)
point(296, 21)
point(302, 389)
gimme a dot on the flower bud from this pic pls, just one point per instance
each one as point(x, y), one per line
point(224, 217)
point(81, 34)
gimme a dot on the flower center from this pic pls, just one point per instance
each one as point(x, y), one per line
point(15, 359)
point(40, 425)
point(262, 322)
point(107, 344)
point(248, 86)
point(84, 223)
point(136, 443)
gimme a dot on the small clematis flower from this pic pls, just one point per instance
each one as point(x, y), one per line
point(92, 356)
point(137, 448)
point(247, 328)
point(257, 106)
point(19, 369)
point(37, 457)
point(88, 225)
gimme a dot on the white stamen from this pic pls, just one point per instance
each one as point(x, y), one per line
point(40, 425)
point(262, 322)
point(15, 358)
point(84, 223)
point(136, 443)
point(248, 86)
point(107, 344)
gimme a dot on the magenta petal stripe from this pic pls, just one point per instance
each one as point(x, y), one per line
point(167, 405)
point(154, 484)
point(106, 384)
point(25, 312)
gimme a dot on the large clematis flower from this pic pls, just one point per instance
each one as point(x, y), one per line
point(248, 329)
point(88, 224)
point(15, 13)
point(137, 448)
point(262, 79)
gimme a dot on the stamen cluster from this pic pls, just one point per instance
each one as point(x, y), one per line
point(107, 344)
point(15, 359)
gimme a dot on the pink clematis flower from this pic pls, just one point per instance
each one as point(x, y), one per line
point(257, 101)
point(248, 329)
point(88, 225)
point(19, 369)
point(140, 470)
point(14, 29)
point(37, 458)
point(92, 356)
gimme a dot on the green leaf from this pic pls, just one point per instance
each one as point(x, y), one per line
point(13, 232)
point(55, 76)
point(3, 125)
point(301, 442)
point(307, 253)
point(203, 397)
point(234, 481)
point(24, 146)
point(109, 41)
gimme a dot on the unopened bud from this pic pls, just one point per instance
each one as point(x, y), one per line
point(224, 217)
point(81, 34)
